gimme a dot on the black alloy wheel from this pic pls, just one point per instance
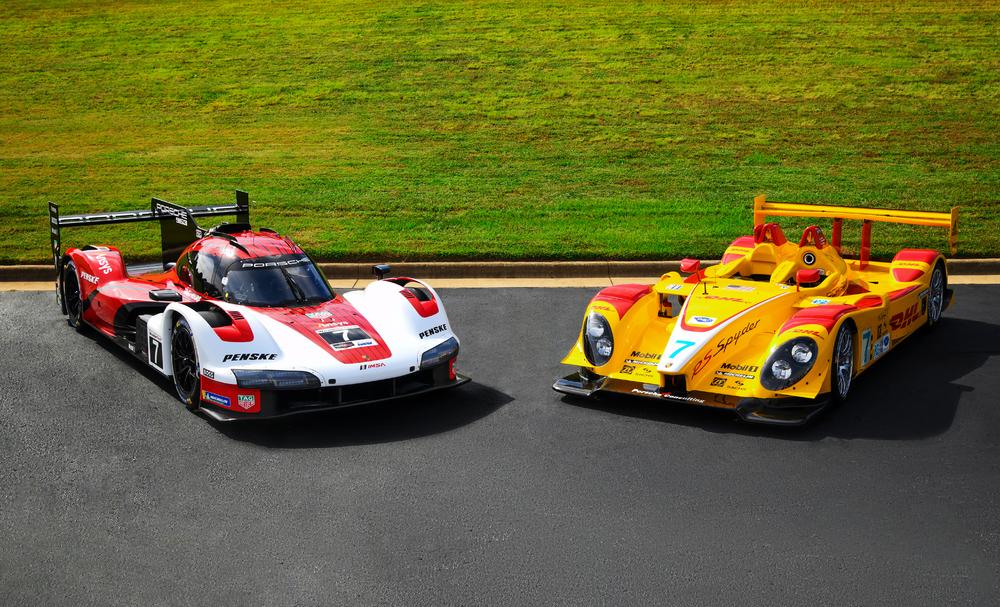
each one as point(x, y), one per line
point(71, 296)
point(184, 360)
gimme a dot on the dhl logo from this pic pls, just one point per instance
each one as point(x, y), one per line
point(903, 319)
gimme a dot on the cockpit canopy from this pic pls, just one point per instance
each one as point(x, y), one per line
point(289, 280)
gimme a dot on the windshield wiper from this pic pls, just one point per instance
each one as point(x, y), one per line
point(300, 296)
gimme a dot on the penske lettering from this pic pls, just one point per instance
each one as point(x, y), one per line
point(249, 356)
point(433, 331)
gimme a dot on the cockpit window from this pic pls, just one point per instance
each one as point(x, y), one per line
point(278, 281)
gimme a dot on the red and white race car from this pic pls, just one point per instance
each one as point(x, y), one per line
point(245, 323)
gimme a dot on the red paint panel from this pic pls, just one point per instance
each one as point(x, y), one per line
point(769, 232)
point(814, 235)
point(925, 255)
point(894, 295)
point(906, 274)
point(824, 316)
point(239, 331)
point(233, 393)
point(872, 301)
point(743, 241)
point(423, 308)
point(623, 297)
point(337, 312)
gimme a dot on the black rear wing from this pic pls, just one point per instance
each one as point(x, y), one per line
point(178, 227)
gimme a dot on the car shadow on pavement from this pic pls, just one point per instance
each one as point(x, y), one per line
point(913, 393)
point(388, 421)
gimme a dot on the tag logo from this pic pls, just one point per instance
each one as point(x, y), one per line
point(247, 401)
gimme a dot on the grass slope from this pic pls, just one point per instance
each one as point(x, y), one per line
point(514, 130)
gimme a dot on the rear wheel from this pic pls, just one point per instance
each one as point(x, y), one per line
point(842, 365)
point(184, 359)
point(71, 297)
point(935, 299)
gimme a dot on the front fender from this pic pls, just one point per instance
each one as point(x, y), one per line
point(400, 317)
point(212, 349)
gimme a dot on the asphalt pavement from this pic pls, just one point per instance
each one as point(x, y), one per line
point(501, 492)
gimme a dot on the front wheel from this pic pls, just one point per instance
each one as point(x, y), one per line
point(842, 365)
point(72, 299)
point(935, 299)
point(184, 359)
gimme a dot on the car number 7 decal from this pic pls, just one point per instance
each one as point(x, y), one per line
point(684, 345)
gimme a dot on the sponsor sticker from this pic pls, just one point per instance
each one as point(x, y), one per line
point(432, 331)
point(374, 365)
point(217, 399)
point(635, 361)
point(819, 301)
point(719, 382)
point(248, 356)
point(208, 373)
point(346, 338)
point(246, 401)
point(88, 277)
point(673, 287)
point(689, 399)
point(702, 320)
point(732, 374)
point(740, 288)
point(319, 314)
point(628, 369)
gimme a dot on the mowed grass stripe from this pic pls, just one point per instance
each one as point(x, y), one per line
point(515, 130)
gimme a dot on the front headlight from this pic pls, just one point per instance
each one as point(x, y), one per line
point(789, 363)
point(275, 380)
point(439, 353)
point(598, 343)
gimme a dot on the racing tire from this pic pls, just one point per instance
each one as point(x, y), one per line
point(936, 296)
point(842, 363)
point(184, 362)
point(72, 300)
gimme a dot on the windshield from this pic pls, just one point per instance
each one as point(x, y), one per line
point(279, 281)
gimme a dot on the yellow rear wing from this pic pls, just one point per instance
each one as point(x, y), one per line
point(763, 208)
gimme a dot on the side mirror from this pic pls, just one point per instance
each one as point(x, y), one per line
point(690, 266)
point(806, 277)
point(164, 295)
point(381, 270)
point(170, 266)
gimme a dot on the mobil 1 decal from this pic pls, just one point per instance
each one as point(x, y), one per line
point(346, 338)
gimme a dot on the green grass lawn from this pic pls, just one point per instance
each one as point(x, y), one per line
point(499, 130)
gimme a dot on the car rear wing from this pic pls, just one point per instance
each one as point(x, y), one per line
point(762, 208)
point(178, 227)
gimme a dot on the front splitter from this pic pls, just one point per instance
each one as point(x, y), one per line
point(788, 411)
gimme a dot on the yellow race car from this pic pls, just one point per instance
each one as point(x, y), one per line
point(776, 331)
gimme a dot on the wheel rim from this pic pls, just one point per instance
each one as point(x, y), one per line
point(71, 295)
point(937, 295)
point(185, 363)
point(844, 363)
